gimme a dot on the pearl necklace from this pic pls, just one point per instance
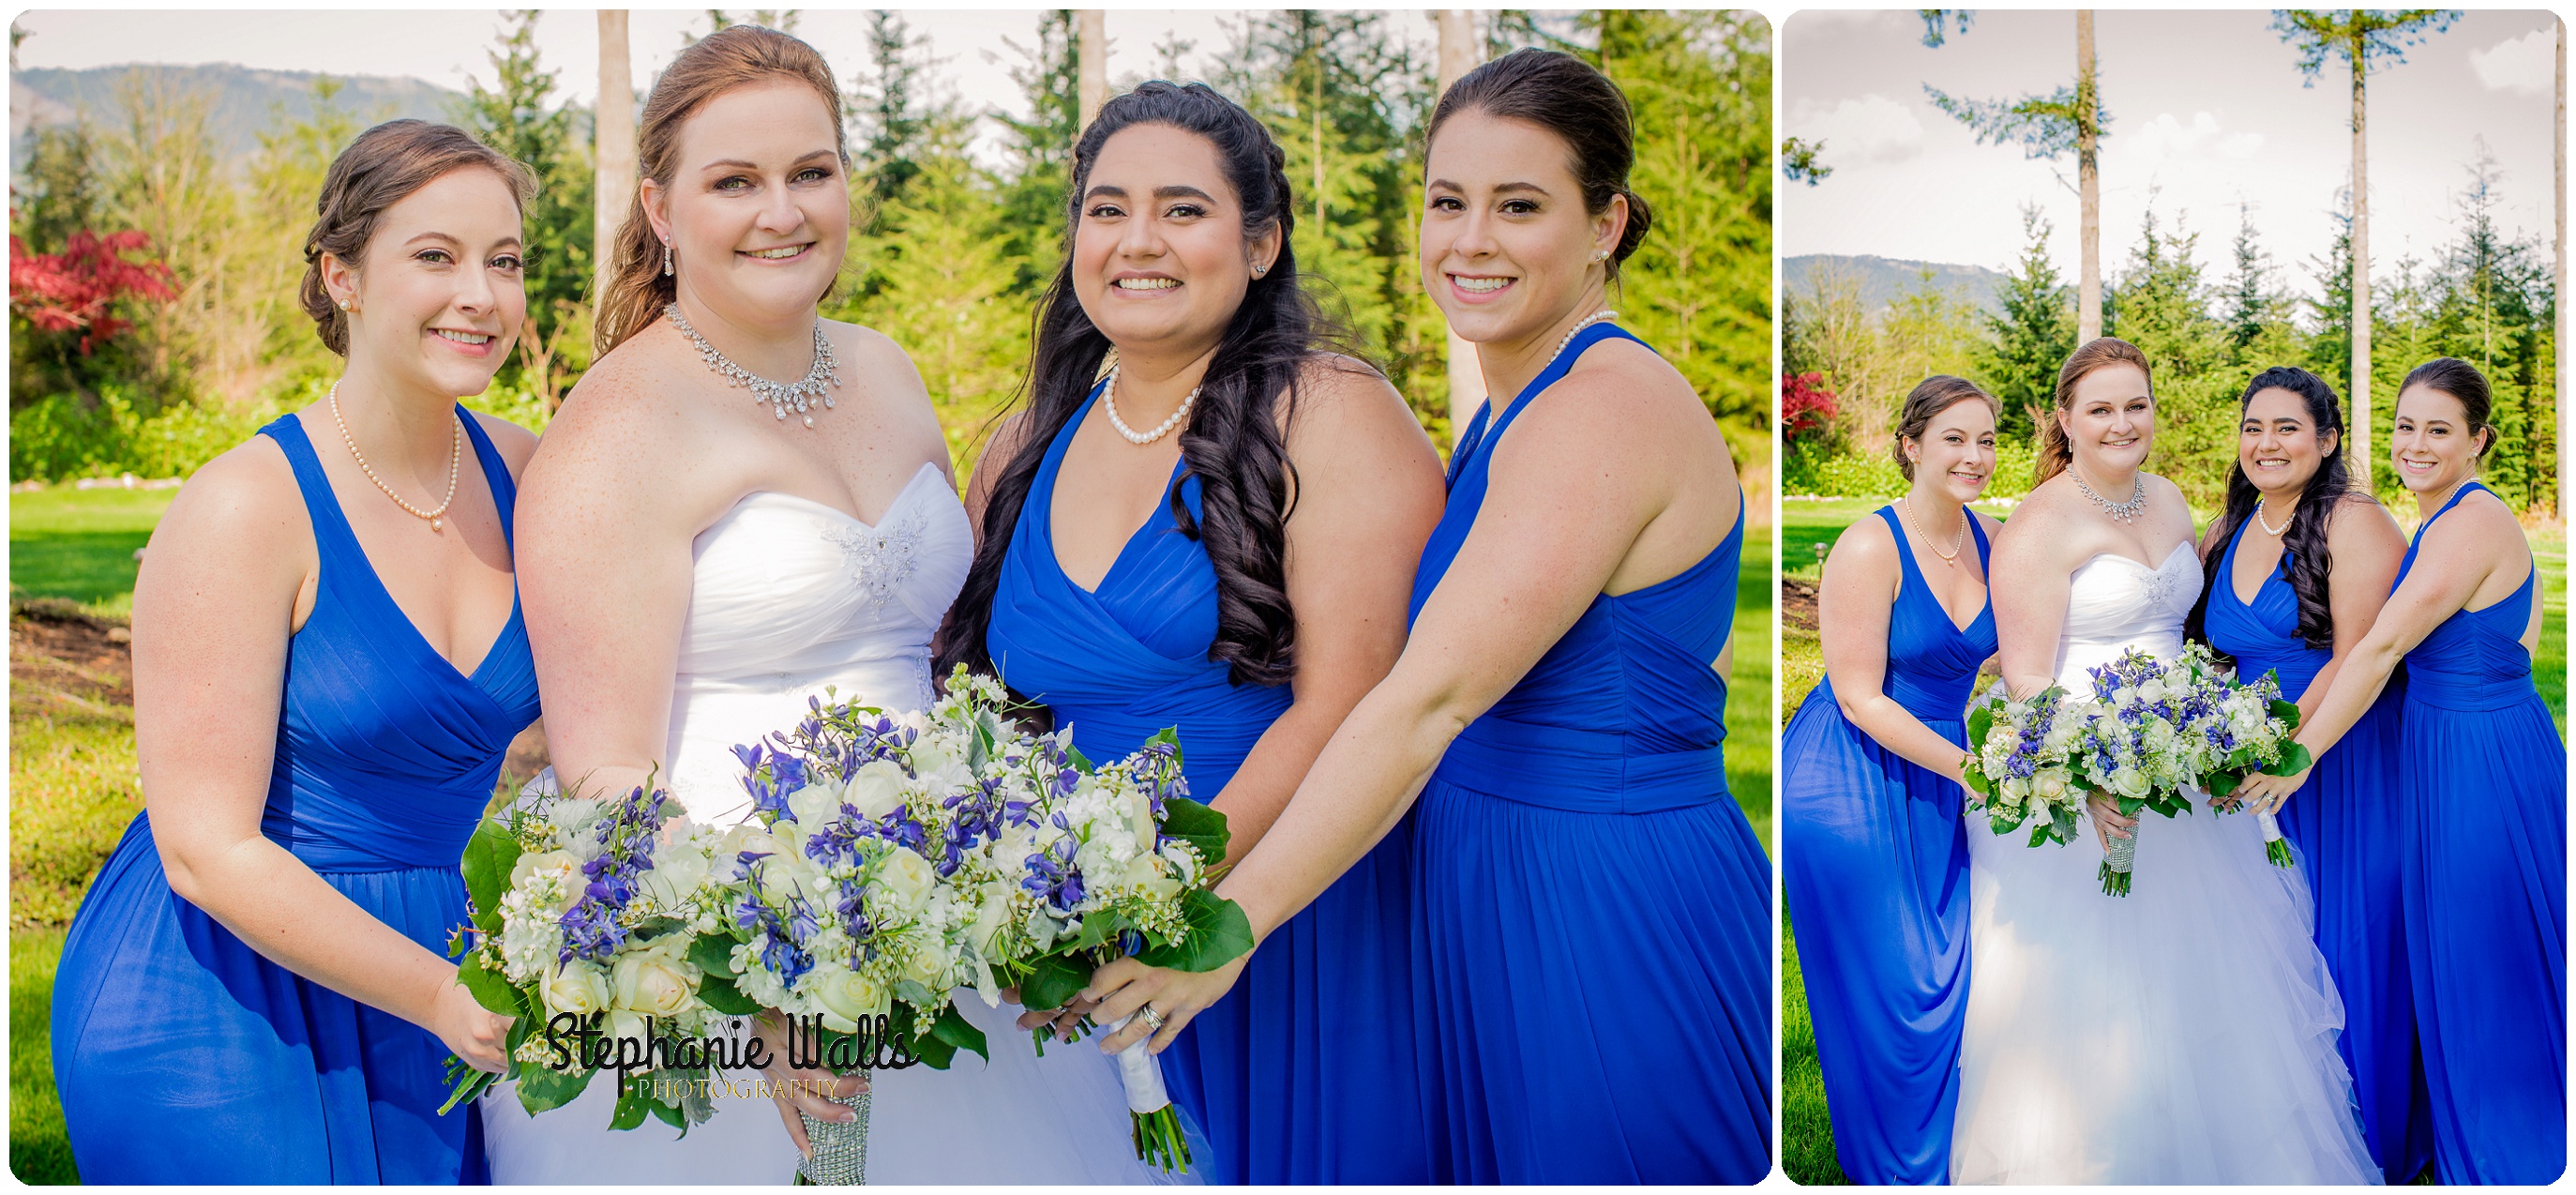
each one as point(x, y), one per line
point(1109, 400)
point(2119, 511)
point(2269, 529)
point(779, 395)
point(1955, 541)
point(1570, 333)
point(2436, 507)
point(455, 457)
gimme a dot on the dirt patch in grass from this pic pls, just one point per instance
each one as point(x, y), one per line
point(1798, 603)
point(59, 653)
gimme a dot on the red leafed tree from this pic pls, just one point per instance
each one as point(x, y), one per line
point(78, 288)
point(1806, 407)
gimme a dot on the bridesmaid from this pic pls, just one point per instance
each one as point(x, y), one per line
point(1219, 535)
point(1875, 852)
point(2320, 555)
point(328, 667)
point(2481, 784)
point(1596, 916)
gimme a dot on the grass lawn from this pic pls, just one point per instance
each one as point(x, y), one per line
point(39, 1152)
point(1806, 1135)
point(1748, 689)
point(79, 544)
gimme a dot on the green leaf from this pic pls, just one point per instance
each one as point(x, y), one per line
point(1219, 934)
point(718, 992)
point(1980, 720)
point(2220, 784)
point(1054, 981)
point(2287, 712)
point(933, 1053)
point(489, 856)
point(1098, 929)
point(544, 1089)
point(713, 954)
point(2062, 821)
point(2294, 760)
point(489, 989)
point(953, 1028)
point(1198, 825)
point(1081, 763)
point(632, 1107)
point(671, 1115)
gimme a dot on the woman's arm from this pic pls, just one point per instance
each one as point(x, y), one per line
point(2030, 613)
point(2366, 547)
point(214, 604)
point(1853, 610)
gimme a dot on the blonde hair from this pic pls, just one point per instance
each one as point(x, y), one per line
point(2055, 451)
point(636, 290)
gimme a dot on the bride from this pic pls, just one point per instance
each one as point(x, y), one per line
point(2185, 1033)
point(696, 566)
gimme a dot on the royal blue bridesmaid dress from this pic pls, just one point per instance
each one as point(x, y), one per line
point(1874, 854)
point(182, 1055)
point(2350, 832)
point(1306, 1071)
point(2483, 779)
point(1596, 911)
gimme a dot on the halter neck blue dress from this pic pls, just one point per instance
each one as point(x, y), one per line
point(2482, 779)
point(1596, 912)
point(182, 1055)
point(1875, 865)
point(2346, 823)
point(1305, 1072)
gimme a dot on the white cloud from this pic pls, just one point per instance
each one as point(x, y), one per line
point(1871, 129)
point(2525, 65)
point(2168, 139)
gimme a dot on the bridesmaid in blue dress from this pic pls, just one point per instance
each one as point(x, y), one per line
point(2482, 786)
point(1874, 852)
point(2320, 555)
point(328, 668)
point(1219, 536)
point(1594, 978)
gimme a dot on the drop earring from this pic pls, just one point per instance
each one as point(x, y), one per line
point(666, 259)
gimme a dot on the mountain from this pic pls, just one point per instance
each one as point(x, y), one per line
point(243, 102)
point(1882, 279)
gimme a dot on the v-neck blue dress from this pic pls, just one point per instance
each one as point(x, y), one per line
point(1874, 859)
point(184, 1056)
point(1305, 1072)
point(2482, 776)
point(1595, 910)
point(2347, 825)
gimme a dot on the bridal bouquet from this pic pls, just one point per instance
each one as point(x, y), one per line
point(2242, 729)
point(586, 918)
point(2021, 767)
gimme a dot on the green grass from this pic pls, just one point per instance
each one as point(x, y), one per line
point(79, 544)
point(40, 1153)
point(1748, 688)
point(1806, 1135)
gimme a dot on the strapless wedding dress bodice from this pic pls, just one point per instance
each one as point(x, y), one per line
point(2182, 1034)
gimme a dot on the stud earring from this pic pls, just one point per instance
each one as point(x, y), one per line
point(666, 258)
point(1600, 255)
point(1258, 271)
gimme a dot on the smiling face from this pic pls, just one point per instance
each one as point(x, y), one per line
point(2429, 440)
point(2277, 444)
point(1954, 458)
point(1160, 260)
point(437, 297)
point(2111, 421)
point(1508, 251)
point(757, 213)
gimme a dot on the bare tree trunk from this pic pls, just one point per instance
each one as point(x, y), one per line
point(2088, 173)
point(612, 149)
point(1092, 60)
point(1466, 376)
point(2365, 453)
point(2558, 284)
point(1315, 113)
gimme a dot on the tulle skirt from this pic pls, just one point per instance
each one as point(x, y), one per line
point(1875, 862)
point(183, 1056)
point(2182, 1034)
point(1598, 993)
point(2485, 894)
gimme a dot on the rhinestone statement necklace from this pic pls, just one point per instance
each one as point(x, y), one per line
point(780, 396)
point(2119, 511)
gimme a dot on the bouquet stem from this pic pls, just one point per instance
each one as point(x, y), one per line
point(2275, 848)
point(840, 1157)
point(1158, 1139)
point(2116, 863)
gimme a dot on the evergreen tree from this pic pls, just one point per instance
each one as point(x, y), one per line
point(1040, 149)
point(520, 118)
point(2031, 335)
point(2164, 308)
point(890, 121)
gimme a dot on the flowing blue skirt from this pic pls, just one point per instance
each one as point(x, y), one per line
point(2485, 889)
point(1875, 858)
point(1306, 1072)
point(182, 1056)
point(2350, 831)
point(1599, 991)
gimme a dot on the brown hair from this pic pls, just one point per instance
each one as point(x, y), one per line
point(378, 170)
point(2055, 452)
point(738, 56)
point(2461, 381)
point(1930, 397)
point(1564, 95)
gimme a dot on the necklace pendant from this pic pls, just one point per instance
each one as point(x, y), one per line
point(809, 421)
point(434, 524)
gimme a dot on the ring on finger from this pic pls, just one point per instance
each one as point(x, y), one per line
point(1153, 1020)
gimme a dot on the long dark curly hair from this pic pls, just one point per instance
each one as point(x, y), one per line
point(1233, 441)
point(2311, 565)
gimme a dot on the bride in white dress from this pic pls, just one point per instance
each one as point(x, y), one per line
point(2186, 1032)
point(694, 566)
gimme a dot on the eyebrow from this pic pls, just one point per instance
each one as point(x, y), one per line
point(1499, 189)
point(1172, 192)
point(440, 236)
point(739, 164)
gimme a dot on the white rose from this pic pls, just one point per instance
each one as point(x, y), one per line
point(926, 965)
point(2050, 784)
point(848, 995)
point(2131, 783)
point(877, 789)
point(653, 983)
point(814, 806)
point(673, 879)
point(576, 987)
point(985, 934)
point(904, 880)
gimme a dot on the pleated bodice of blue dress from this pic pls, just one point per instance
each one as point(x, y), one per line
point(1596, 911)
point(2347, 827)
point(1306, 1072)
point(2483, 779)
point(1874, 858)
point(182, 1055)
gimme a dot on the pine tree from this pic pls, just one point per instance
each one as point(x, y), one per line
point(2164, 308)
point(2032, 333)
point(520, 118)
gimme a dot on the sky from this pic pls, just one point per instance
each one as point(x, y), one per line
point(2208, 113)
point(449, 47)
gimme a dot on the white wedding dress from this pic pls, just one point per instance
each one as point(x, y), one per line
point(791, 598)
point(2183, 1034)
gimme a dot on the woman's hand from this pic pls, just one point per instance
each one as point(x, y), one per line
point(1125, 987)
point(2266, 793)
point(803, 1093)
point(2107, 821)
point(1066, 1021)
point(472, 1032)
